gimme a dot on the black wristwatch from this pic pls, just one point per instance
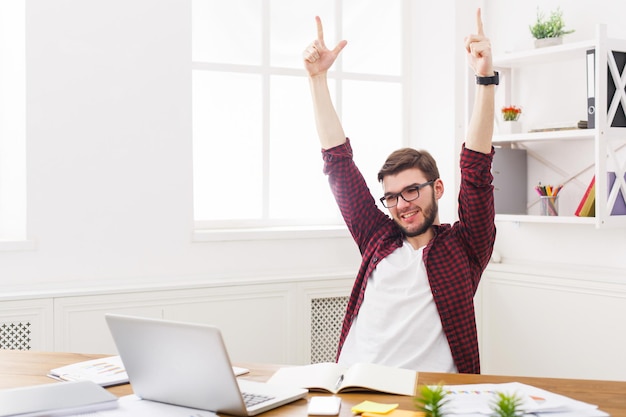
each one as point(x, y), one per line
point(494, 79)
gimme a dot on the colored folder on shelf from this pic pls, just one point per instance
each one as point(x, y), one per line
point(619, 207)
point(587, 205)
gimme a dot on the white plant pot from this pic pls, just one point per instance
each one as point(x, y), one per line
point(540, 43)
point(509, 127)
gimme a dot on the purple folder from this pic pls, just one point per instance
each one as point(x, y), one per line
point(619, 208)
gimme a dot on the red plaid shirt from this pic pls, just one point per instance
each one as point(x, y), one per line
point(455, 258)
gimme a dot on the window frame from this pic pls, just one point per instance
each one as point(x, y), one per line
point(267, 228)
point(13, 210)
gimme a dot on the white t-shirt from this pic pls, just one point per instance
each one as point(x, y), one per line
point(398, 324)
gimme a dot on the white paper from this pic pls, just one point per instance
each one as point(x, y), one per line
point(104, 371)
point(477, 399)
point(133, 406)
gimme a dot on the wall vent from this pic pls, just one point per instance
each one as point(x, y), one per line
point(15, 336)
point(326, 318)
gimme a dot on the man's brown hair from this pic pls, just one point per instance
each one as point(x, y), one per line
point(406, 158)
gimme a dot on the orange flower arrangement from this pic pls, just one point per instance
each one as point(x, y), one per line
point(511, 113)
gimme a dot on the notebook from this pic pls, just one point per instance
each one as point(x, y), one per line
point(187, 364)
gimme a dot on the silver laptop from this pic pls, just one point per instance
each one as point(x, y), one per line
point(187, 364)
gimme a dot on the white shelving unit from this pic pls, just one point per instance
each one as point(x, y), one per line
point(609, 142)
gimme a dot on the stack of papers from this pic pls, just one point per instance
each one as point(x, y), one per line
point(475, 400)
point(56, 399)
point(104, 371)
point(133, 406)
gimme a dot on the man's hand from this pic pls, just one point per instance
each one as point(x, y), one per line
point(317, 57)
point(478, 49)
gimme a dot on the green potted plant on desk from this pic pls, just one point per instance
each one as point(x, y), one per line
point(507, 405)
point(432, 400)
point(549, 31)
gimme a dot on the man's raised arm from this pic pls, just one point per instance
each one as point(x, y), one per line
point(317, 60)
point(480, 130)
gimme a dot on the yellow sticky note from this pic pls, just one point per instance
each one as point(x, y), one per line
point(372, 407)
point(396, 413)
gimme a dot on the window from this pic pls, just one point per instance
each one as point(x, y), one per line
point(256, 155)
point(12, 122)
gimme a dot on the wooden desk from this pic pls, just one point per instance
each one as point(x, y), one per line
point(22, 368)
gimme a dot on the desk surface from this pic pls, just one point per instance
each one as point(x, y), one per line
point(22, 368)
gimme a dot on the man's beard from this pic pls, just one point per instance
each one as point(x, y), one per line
point(430, 214)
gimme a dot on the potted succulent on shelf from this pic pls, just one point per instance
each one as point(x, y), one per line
point(549, 31)
point(510, 120)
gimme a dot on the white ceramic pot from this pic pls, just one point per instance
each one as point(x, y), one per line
point(509, 127)
point(540, 43)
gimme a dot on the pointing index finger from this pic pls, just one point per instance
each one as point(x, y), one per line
point(320, 29)
point(479, 23)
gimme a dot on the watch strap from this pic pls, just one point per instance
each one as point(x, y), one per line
point(494, 79)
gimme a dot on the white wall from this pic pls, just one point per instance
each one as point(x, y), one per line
point(437, 69)
point(109, 156)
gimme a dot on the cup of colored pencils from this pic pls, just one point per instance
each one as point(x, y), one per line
point(548, 199)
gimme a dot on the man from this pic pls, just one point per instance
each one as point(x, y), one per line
point(412, 301)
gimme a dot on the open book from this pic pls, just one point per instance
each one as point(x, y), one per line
point(335, 378)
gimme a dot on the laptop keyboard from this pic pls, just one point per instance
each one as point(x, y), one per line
point(254, 399)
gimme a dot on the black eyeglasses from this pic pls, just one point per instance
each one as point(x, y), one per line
point(410, 193)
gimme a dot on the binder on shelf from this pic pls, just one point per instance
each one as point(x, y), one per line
point(619, 208)
point(509, 169)
point(587, 205)
point(591, 89)
point(613, 94)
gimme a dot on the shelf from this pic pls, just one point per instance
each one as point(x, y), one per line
point(601, 149)
point(520, 218)
point(545, 55)
point(560, 135)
